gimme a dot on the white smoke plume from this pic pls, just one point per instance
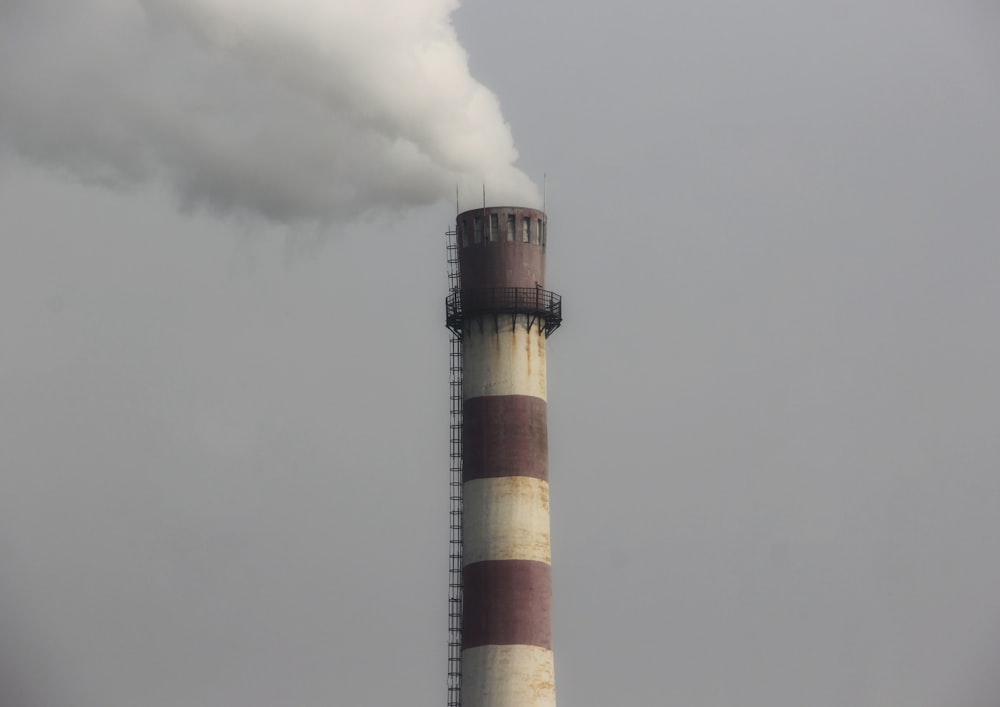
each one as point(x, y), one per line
point(297, 111)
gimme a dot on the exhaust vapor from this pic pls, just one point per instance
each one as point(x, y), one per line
point(300, 111)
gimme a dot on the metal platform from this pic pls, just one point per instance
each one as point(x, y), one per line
point(536, 304)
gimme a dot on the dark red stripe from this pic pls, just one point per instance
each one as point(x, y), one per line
point(507, 602)
point(500, 262)
point(505, 435)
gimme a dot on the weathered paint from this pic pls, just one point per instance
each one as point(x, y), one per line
point(502, 356)
point(501, 263)
point(508, 676)
point(507, 518)
point(507, 575)
point(505, 435)
point(506, 602)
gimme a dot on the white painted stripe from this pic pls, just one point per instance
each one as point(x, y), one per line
point(506, 518)
point(510, 361)
point(508, 676)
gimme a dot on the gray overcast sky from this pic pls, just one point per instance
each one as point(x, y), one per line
point(774, 404)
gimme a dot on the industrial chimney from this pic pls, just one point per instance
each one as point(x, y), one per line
point(500, 315)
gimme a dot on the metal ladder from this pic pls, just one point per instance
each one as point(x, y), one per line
point(455, 485)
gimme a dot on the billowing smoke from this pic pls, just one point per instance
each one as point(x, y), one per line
point(298, 111)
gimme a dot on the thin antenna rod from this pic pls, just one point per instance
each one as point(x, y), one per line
point(545, 187)
point(456, 201)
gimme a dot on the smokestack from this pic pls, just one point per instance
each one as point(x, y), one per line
point(500, 315)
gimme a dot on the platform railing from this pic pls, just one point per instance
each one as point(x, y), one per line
point(534, 302)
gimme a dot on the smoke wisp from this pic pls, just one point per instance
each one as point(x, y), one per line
point(300, 111)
